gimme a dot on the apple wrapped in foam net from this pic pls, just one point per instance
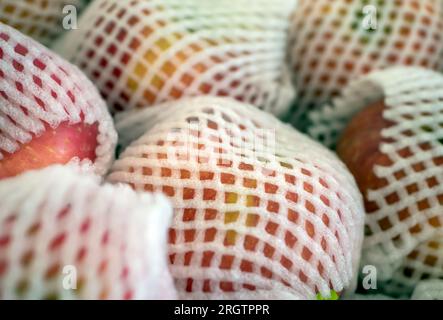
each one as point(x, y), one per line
point(334, 42)
point(144, 52)
point(64, 236)
point(261, 211)
point(392, 144)
point(40, 19)
point(49, 111)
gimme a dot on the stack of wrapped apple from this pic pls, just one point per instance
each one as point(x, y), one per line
point(163, 149)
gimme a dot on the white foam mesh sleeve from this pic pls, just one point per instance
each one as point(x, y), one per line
point(39, 19)
point(59, 219)
point(428, 290)
point(261, 211)
point(144, 52)
point(420, 273)
point(335, 42)
point(408, 205)
point(37, 88)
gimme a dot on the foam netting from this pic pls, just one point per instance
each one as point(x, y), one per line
point(428, 290)
point(421, 272)
point(63, 236)
point(408, 203)
point(40, 19)
point(333, 42)
point(144, 52)
point(261, 210)
point(38, 88)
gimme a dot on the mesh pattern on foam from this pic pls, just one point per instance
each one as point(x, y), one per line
point(427, 290)
point(144, 52)
point(408, 204)
point(423, 267)
point(250, 221)
point(329, 44)
point(40, 19)
point(39, 87)
point(56, 217)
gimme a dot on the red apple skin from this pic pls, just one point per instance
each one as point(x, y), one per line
point(358, 146)
point(249, 243)
point(359, 149)
point(54, 146)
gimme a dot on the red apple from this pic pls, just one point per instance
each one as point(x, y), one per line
point(359, 148)
point(335, 42)
point(144, 52)
point(54, 146)
point(389, 131)
point(41, 20)
point(250, 221)
point(50, 112)
point(65, 236)
point(400, 224)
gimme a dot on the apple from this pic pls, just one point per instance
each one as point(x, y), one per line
point(334, 42)
point(147, 52)
point(359, 148)
point(50, 112)
point(65, 236)
point(54, 146)
point(41, 20)
point(260, 209)
point(406, 220)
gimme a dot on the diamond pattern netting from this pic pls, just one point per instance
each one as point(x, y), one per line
point(261, 211)
point(428, 290)
point(59, 218)
point(405, 197)
point(331, 42)
point(40, 19)
point(143, 52)
point(40, 90)
point(421, 272)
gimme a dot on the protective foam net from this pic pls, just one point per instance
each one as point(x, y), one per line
point(332, 42)
point(404, 205)
point(261, 211)
point(40, 19)
point(143, 52)
point(40, 90)
point(427, 290)
point(422, 268)
point(63, 236)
